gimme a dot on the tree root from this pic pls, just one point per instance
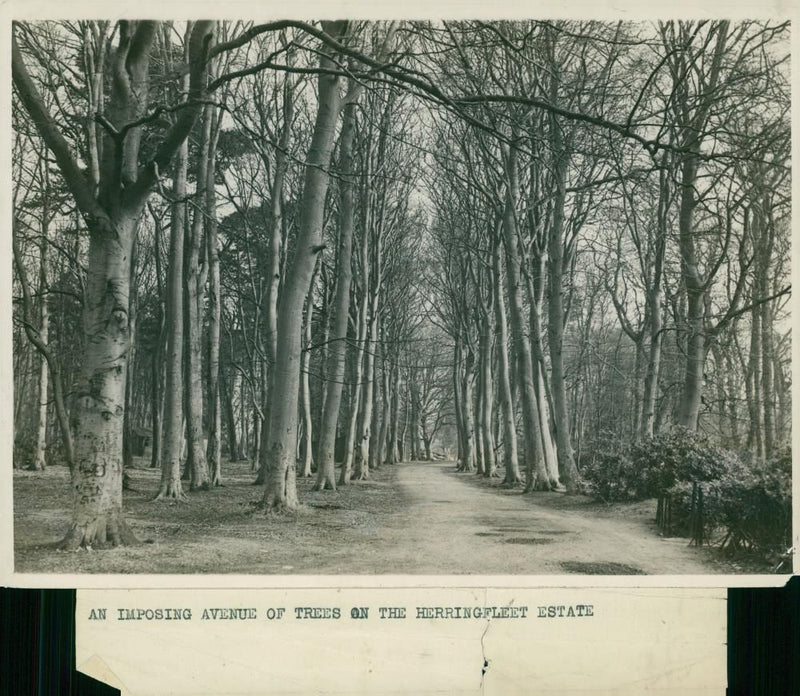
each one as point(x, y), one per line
point(325, 484)
point(278, 508)
point(103, 532)
point(537, 486)
point(172, 493)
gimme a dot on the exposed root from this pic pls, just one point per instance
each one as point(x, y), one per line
point(103, 532)
point(172, 492)
point(537, 485)
point(278, 507)
point(327, 483)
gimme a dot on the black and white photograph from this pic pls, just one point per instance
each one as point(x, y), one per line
point(445, 297)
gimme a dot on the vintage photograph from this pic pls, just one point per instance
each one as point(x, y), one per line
point(441, 297)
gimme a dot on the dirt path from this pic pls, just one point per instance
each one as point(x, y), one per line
point(454, 525)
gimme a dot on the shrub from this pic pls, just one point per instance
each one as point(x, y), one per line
point(756, 506)
point(678, 456)
point(607, 476)
point(747, 501)
point(653, 467)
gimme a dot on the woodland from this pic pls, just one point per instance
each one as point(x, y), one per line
point(553, 253)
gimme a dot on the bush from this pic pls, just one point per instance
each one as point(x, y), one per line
point(651, 468)
point(747, 501)
point(608, 476)
point(756, 506)
point(678, 456)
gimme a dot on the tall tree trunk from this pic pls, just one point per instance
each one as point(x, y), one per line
point(355, 400)
point(508, 418)
point(39, 459)
point(537, 478)
point(337, 339)
point(766, 245)
point(375, 439)
point(655, 310)
point(458, 399)
point(394, 453)
point(280, 490)
point(477, 409)
point(402, 438)
point(273, 274)
point(226, 392)
point(468, 460)
point(194, 287)
point(127, 420)
point(157, 362)
point(693, 283)
point(362, 453)
point(691, 397)
point(414, 425)
point(555, 325)
point(306, 451)
point(170, 486)
point(546, 427)
point(754, 378)
point(214, 453)
point(99, 405)
point(381, 451)
point(487, 397)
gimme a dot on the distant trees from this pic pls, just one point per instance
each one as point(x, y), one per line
point(677, 258)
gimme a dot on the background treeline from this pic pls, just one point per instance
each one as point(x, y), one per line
point(512, 243)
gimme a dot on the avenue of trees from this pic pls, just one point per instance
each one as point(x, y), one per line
point(328, 247)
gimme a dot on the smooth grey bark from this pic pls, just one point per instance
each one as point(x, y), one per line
point(372, 280)
point(337, 339)
point(214, 453)
point(380, 451)
point(655, 310)
point(394, 452)
point(457, 401)
point(306, 453)
point(158, 373)
point(468, 460)
point(477, 408)
point(487, 397)
point(537, 477)
point(508, 418)
point(375, 438)
point(195, 274)
point(39, 460)
point(170, 486)
point(280, 491)
point(273, 273)
point(536, 281)
point(567, 470)
point(693, 112)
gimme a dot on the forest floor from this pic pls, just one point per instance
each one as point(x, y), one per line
point(411, 518)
